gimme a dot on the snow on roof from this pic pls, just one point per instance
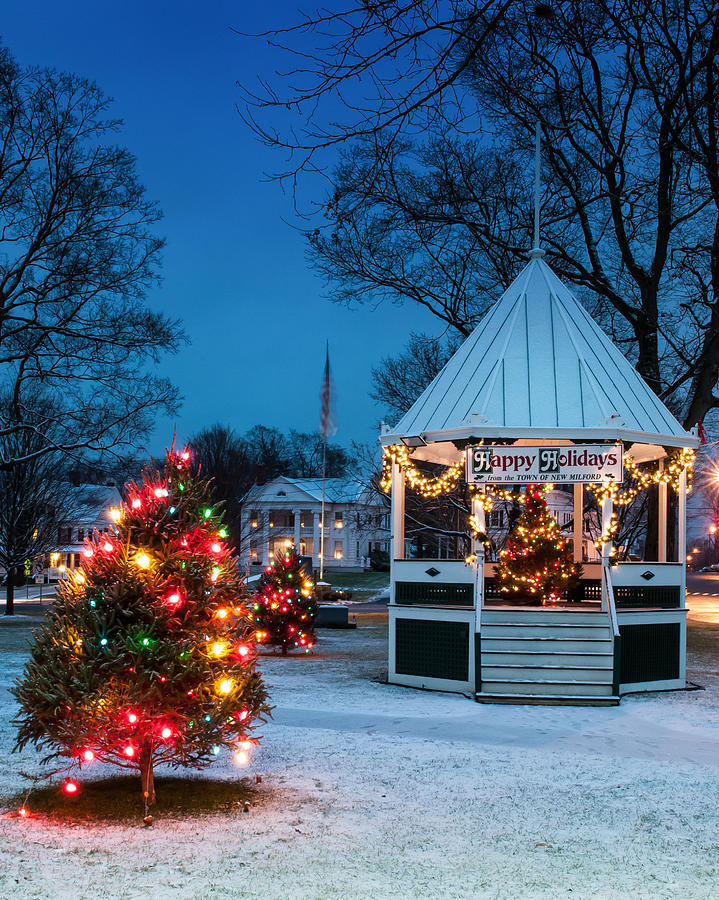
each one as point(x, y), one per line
point(95, 499)
point(337, 490)
point(538, 364)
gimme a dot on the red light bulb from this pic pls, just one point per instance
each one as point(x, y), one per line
point(129, 751)
point(70, 787)
point(88, 756)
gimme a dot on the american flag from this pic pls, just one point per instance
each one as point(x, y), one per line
point(327, 425)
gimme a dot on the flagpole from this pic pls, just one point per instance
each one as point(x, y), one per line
point(325, 425)
point(322, 519)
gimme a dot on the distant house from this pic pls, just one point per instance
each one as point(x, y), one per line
point(91, 511)
point(287, 511)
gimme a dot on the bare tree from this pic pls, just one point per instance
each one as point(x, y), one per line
point(35, 497)
point(625, 92)
point(399, 380)
point(77, 254)
point(382, 64)
point(223, 456)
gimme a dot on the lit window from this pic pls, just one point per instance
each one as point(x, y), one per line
point(253, 552)
point(338, 549)
point(338, 520)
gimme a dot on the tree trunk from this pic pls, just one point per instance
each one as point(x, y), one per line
point(284, 648)
point(147, 777)
point(10, 592)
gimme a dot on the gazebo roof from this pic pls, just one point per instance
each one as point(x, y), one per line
point(539, 367)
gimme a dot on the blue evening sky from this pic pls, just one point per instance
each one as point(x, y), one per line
point(234, 271)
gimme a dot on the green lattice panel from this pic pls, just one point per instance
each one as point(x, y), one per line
point(442, 594)
point(429, 649)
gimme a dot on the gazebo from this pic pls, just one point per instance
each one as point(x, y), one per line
point(539, 380)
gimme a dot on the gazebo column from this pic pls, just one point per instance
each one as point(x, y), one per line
point(578, 522)
point(397, 513)
point(662, 523)
point(480, 526)
point(607, 510)
point(478, 552)
point(682, 535)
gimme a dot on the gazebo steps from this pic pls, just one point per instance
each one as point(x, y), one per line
point(550, 655)
point(546, 630)
point(555, 700)
point(542, 615)
point(544, 644)
point(507, 660)
point(546, 687)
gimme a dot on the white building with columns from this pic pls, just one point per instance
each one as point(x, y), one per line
point(288, 511)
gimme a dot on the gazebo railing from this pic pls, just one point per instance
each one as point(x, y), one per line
point(614, 626)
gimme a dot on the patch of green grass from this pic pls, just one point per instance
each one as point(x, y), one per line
point(365, 581)
point(118, 799)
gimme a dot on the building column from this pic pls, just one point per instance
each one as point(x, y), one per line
point(298, 515)
point(578, 534)
point(345, 538)
point(397, 514)
point(265, 537)
point(315, 540)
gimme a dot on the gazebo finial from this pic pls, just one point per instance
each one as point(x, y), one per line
point(536, 252)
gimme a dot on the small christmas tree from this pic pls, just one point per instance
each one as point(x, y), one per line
point(147, 656)
point(284, 607)
point(537, 560)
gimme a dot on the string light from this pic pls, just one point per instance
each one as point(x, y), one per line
point(143, 560)
point(427, 487)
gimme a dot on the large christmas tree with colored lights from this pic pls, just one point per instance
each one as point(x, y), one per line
point(284, 605)
point(148, 654)
point(537, 561)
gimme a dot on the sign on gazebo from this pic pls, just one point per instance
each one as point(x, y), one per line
point(539, 464)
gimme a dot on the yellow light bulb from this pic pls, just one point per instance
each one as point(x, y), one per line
point(219, 648)
point(226, 685)
point(143, 560)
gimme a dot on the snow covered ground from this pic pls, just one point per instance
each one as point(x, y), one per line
point(377, 791)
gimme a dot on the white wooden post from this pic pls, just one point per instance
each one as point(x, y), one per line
point(478, 551)
point(266, 536)
point(682, 534)
point(578, 522)
point(297, 513)
point(607, 510)
point(316, 540)
point(662, 529)
point(397, 543)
